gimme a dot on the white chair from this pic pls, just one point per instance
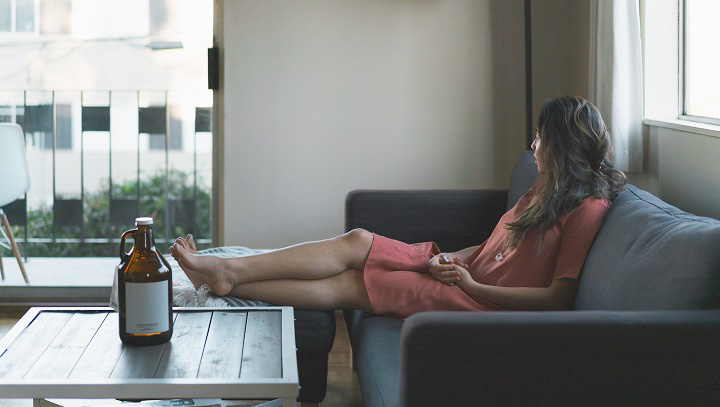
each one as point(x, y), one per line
point(14, 181)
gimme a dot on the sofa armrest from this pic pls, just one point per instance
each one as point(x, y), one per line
point(454, 219)
point(561, 358)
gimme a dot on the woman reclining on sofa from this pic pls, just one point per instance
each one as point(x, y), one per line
point(532, 260)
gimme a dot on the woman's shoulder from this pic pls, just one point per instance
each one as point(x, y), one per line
point(592, 209)
point(595, 203)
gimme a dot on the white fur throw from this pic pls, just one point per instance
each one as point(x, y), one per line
point(185, 295)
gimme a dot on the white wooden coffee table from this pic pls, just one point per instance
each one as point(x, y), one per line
point(73, 352)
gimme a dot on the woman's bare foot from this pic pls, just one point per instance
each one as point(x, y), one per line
point(188, 244)
point(200, 270)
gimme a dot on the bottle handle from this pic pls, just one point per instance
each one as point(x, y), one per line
point(123, 254)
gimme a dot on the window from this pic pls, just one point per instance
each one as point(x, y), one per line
point(700, 89)
point(109, 95)
point(18, 16)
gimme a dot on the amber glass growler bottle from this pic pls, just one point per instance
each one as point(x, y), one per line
point(144, 289)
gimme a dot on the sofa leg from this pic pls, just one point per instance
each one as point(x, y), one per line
point(313, 371)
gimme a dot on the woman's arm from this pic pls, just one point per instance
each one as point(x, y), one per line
point(558, 296)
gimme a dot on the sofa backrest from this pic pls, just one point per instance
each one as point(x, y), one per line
point(650, 255)
point(523, 176)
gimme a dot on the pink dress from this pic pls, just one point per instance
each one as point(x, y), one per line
point(398, 285)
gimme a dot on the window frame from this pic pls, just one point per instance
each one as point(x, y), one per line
point(682, 69)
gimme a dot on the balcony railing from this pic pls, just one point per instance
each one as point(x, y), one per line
point(98, 159)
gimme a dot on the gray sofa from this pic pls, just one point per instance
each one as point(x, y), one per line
point(645, 329)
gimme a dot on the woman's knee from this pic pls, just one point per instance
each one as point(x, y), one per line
point(359, 241)
point(358, 235)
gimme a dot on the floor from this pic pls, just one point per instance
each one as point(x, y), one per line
point(342, 391)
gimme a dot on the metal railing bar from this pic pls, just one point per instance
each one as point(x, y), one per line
point(82, 170)
point(167, 166)
point(137, 189)
point(27, 249)
point(110, 183)
point(194, 222)
point(54, 140)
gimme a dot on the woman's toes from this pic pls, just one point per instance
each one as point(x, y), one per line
point(181, 242)
point(179, 249)
point(191, 243)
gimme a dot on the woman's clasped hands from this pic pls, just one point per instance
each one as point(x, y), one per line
point(446, 269)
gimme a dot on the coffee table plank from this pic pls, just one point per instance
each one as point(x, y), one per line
point(262, 347)
point(140, 361)
point(63, 353)
point(182, 357)
point(223, 349)
point(25, 350)
point(103, 352)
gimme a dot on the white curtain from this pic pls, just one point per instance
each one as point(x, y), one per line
point(616, 81)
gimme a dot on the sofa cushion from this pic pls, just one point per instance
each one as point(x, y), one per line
point(378, 361)
point(523, 176)
point(649, 255)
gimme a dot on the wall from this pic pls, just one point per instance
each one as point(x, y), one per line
point(321, 97)
point(682, 169)
point(560, 39)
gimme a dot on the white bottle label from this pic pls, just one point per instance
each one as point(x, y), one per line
point(146, 306)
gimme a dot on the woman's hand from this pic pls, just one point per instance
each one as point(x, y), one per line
point(463, 276)
point(442, 268)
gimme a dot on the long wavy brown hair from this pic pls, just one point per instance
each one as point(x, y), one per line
point(576, 154)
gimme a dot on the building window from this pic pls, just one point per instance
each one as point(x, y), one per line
point(18, 16)
point(701, 61)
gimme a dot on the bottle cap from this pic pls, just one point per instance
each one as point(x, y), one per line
point(143, 221)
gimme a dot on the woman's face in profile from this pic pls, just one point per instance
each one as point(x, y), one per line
point(535, 146)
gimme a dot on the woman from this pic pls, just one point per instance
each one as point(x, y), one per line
point(531, 261)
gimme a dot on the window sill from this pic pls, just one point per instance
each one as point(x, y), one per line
point(704, 129)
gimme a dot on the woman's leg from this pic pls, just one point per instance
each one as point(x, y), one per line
point(345, 290)
point(311, 260)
